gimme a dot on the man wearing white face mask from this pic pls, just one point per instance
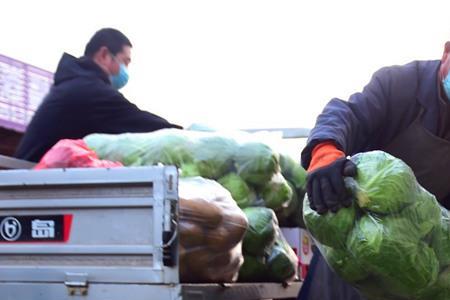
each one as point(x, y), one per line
point(84, 98)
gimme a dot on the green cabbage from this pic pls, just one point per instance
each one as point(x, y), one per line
point(256, 163)
point(441, 239)
point(292, 215)
point(254, 269)
point(385, 184)
point(123, 147)
point(277, 264)
point(424, 214)
point(415, 272)
point(293, 172)
point(189, 170)
point(391, 249)
point(277, 193)
point(261, 232)
point(282, 264)
point(399, 239)
point(440, 290)
point(213, 155)
point(330, 229)
point(244, 195)
point(344, 264)
point(372, 289)
point(168, 148)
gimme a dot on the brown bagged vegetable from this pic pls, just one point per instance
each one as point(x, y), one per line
point(211, 227)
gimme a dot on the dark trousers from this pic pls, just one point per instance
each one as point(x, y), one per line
point(322, 283)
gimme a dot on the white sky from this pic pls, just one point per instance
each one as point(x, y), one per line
point(235, 64)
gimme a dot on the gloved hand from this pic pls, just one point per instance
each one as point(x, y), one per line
point(325, 186)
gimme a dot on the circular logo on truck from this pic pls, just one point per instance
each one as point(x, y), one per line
point(10, 229)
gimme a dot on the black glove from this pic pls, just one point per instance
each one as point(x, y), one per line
point(325, 186)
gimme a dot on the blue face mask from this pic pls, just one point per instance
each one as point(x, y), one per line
point(446, 85)
point(120, 80)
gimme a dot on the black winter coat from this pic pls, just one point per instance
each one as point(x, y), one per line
point(387, 105)
point(80, 102)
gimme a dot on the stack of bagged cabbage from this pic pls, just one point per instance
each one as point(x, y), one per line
point(259, 179)
point(251, 170)
point(394, 242)
point(267, 255)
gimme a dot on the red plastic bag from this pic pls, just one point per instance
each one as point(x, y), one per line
point(73, 154)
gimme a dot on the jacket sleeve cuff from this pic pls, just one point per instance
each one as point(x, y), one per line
point(324, 154)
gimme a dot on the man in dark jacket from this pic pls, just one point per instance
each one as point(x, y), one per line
point(405, 111)
point(85, 99)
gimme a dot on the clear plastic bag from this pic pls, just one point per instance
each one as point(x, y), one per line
point(394, 241)
point(245, 164)
point(211, 228)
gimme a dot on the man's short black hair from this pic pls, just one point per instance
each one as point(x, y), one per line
point(111, 38)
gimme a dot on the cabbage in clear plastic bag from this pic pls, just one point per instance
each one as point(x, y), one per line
point(330, 229)
point(342, 262)
point(391, 249)
point(246, 166)
point(213, 155)
point(293, 171)
point(241, 192)
point(267, 255)
point(282, 261)
point(441, 239)
point(261, 232)
point(254, 269)
point(277, 193)
point(396, 247)
point(256, 163)
point(166, 146)
point(381, 174)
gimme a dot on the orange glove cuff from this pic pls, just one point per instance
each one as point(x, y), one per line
point(324, 154)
